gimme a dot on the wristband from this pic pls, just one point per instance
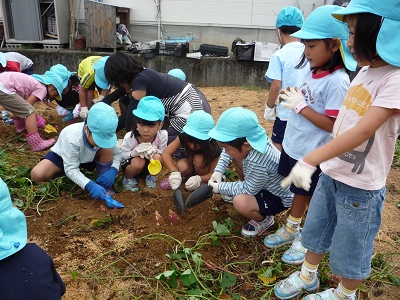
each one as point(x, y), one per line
point(300, 107)
point(301, 161)
point(270, 106)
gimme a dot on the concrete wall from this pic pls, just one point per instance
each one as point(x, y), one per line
point(207, 71)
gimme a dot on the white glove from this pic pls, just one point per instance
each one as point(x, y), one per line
point(215, 186)
point(216, 177)
point(193, 183)
point(269, 113)
point(101, 97)
point(143, 147)
point(84, 112)
point(151, 152)
point(76, 110)
point(293, 99)
point(300, 175)
point(134, 153)
point(62, 111)
point(175, 180)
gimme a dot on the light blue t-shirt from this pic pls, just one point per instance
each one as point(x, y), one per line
point(324, 93)
point(282, 67)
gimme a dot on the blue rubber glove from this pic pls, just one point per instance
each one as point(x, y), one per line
point(95, 190)
point(107, 178)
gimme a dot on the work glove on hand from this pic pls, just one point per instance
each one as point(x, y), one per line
point(215, 186)
point(142, 148)
point(134, 153)
point(84, 112)
point(108, 177)
point(101, 97)
point(294, 99)
point(300, 175)
point(77, 110)
point(95, 190)
point(175, 180)
point(151, 152)
point(193, 183)
point(216, 177)
point(269, 113)
point(62, 111)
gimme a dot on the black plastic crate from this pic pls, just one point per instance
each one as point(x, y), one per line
point(245, 51)
point(213, 50)
point(174, 49)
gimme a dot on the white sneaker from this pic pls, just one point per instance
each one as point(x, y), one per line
point(226, 198)
point(296, 253)
point(254, 228)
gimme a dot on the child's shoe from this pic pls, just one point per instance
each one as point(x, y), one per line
point(19, 124)
point(151, 181)
point(293, 286)
point(7, 119)
point(130, 184)
point(226, 198)
point(164, 184)
point(279, 238)
point(36, 142)
point(68, 118)
point(327, 295)
point(296, 253)
point(254, 228)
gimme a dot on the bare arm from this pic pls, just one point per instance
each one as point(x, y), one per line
point(82, 96)
point(274, 92)
point(319, 120)
point(138, 94)
point(168, 152)
point(365, 128)
point(32, 99)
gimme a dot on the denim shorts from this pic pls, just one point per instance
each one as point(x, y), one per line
point(278, 131)
point(344, 221)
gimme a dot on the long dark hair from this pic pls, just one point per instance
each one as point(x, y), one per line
point(331, 64)
point(137, 120)
point(208, 148)
point(121, 68)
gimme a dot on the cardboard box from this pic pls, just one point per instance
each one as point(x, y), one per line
point(263, 50)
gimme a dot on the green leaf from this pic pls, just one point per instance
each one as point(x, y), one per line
point(221, 229)
point(188, 278)
point(194, 292)
point(227, 280)
point(394, 279)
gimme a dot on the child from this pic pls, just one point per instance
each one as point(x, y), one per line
point(281, 70)
point(201, 151)
point(90, 144)
point(70, 95)
point(8, 66)
point(259, 196)
point(91, 73)
point(315, 107)
point(18, 93)
point(26, 270)
point(145, 141)
point(346, 209)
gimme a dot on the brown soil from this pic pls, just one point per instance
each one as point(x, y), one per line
point(116, 254)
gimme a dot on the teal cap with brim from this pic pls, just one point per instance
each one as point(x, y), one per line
point(3, 60)
point(198, 125)
point(52, 78)
point(99, 75)
point(150, 108)
point(289, 16)
point(388, 40)
point(238, 122)
point(102, 122)
point(178, 73)
point(320, 24)
point(13, 229)
point(62, 71)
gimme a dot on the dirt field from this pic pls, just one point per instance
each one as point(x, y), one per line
point(116, 254)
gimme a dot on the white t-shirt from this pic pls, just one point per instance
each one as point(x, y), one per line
point(24, 62)
point(367, 166)
point(282, 67)
point(324, 93)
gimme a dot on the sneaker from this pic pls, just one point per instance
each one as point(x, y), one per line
point(7, 119)
point(296, 253)
point(327, 295)
point(226, 198)
point(130, 184)
point(293, 286)
point(151, 181)
point(253, 227)
point(279, 238)
point(68, 118)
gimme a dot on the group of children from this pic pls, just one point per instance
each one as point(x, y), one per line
point(325, 156)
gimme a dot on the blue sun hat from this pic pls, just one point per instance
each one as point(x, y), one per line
point(238, 122)
point(52, 78)
point(150, 108)
point(102, 122)
point(13, 230)
point(388, 40)
point(3, 60)
point(62, 71)
point(320, 24)
point(289, 16)
point(178, 73)
point(198, 125)
point(99, 75)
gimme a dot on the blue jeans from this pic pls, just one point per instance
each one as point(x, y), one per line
point(344, 220)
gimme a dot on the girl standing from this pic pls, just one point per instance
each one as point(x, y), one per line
point(147, 140)
point(315, 107)
point(346, 209)
point(202, 153)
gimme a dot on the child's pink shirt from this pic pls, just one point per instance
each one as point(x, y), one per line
point(22, 84)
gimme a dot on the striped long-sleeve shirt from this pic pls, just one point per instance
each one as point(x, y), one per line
point(73, 149)
point(260, 173)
